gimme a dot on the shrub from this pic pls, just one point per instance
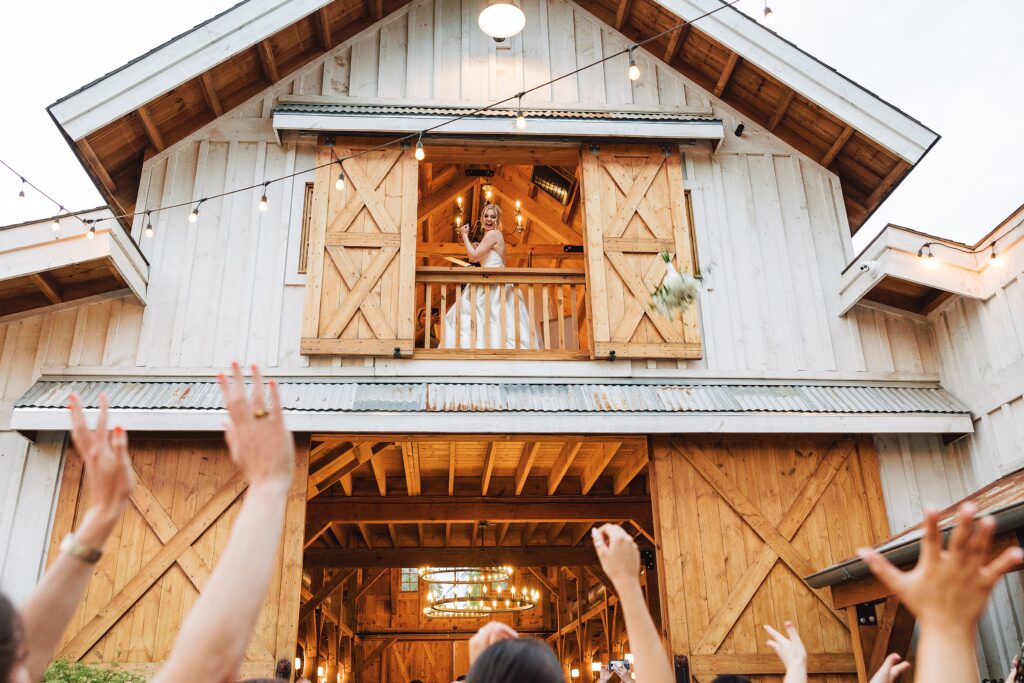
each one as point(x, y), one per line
point(63, 672)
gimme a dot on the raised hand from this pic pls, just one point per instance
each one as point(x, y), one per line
point(948, 588)
point(618, 554)
point(259, 443)
point(789, 649)
point(109, 476)
point(890, 670)
point(491, 633)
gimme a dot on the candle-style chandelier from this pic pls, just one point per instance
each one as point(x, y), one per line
point(474, 592)
point(465, 575)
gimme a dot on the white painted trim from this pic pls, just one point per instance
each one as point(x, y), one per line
point(871, 116)
point(536, 126)
point(49, 419)
point(180, 60)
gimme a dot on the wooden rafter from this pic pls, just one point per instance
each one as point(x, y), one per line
point(554, 529)
point(780, 111)
point(451, 470)
point(628, 472)
point(533, 556)
point(379, 476)
point(499, 534)
point(329, 587)
point(364, 531)
point(596, 466)
point(485, 479)
point(531, 208)
point(268, 61)
point(440, 509)
point(210, 94)
point(444, 196)
point(890, 179)
point(152, 132)
point(375, 9)
point(622, 13)
point(49, 286)
point(330, 463)
point(96, 165)
point(837, 146)
point(675, 43)
point(526, 459)
point(561, 465)
point(544, 581)
point(723, 78)
point(528, 531)
point(393, 534)
point(411, 467)
point(322, 25)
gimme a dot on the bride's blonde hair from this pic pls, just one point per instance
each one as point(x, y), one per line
point(497, 211)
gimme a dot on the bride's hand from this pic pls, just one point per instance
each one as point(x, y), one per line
point(464, 230)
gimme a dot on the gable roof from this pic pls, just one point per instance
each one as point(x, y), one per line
point(170, 92)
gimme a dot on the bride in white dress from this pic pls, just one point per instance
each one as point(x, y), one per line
point(491, 254)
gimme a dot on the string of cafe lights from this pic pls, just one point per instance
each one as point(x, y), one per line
point(405, 141)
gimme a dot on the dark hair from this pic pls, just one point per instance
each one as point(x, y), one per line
point(461, 677)
point(730, 678)
point(10, 638)
point(520, 660)
point(415, 680)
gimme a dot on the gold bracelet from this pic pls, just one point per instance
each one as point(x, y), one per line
point(71, 546)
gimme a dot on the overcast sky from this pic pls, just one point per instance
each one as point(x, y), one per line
point(954, 65)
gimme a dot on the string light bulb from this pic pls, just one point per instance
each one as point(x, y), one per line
point(769, 15)
point(55, 223)
point(264, 203)
point(419, 153)
point(634, 70)
point(993, 258)
point(92, 232)
point(339, 184)
point(21, 192)
point(194, 215)
point(149, 225)
point(520, 116)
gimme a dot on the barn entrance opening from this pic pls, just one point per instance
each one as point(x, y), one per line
point(381, 508)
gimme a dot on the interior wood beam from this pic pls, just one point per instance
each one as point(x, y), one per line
point(49, 286)
point(152, 132)
point(591, 613)
point(323, 29)
point(451, 470)
point(561, 465)
point(499, 534)
point(723, 79)
point(411, 467)
point(634, 466)
point(364, 531)
point(368, 583)
point(444, 197)
point(550, 587)
point(431, 509)
point(380, 649)
point(534, 210)
point(329, 587)
point(332, 462)
point(526, 459)
point(379, 475)
point(447, 534)
point(534, 556)
point(554, 529)
point(268, 61)
point(837, 146)
point(528, 531)
point(622, 13)
point(393, 534)
point(780, 111)
point(314, 532)
point(485, 480)
point(887, 182)
point(675, 43)
point(375, 9)
point(210, 94)
point(595, 468)
point(96, 165)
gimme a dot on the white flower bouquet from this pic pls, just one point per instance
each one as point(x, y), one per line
point(676, 292)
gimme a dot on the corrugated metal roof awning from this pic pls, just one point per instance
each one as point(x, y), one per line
point(517, 407)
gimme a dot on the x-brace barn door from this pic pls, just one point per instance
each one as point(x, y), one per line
point(362, 256)
point(635, 209)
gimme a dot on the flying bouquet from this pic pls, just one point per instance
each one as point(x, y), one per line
point(676, 292)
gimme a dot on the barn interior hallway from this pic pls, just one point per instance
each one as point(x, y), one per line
point(382, 508)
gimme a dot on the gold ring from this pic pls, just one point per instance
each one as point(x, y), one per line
point(260, 413)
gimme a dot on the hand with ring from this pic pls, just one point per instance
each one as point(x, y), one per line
point(259, 443)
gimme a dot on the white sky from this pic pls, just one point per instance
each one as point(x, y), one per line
point(954, 65)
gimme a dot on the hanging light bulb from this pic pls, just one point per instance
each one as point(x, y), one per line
point(92, 232)
point(263, 200)
point(194, 216)
point(320, 671)
point(994, 259)
point(419, 149)
point(339, 184)
point(769, 15)
point(634, 70)
point(149, 226)
point(55, 223)
point(520, 117)
point(21, 192)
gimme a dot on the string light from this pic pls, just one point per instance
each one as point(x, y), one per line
point(520, 116)
point(92, 232)
point(264, 203)
point(339, 184)
point(149, 226)
point(55, 223)
point(769, 15)
point(634, 74)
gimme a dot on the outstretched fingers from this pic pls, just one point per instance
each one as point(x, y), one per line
point(882, 568)
point(1009, 559)
point(79, 428)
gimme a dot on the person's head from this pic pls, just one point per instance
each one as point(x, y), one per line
point(11, 668)
point(730, 678)
point(518, 659)
point(461, 677)
point(490, 217)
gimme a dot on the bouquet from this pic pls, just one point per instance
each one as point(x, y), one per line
point(676, 292)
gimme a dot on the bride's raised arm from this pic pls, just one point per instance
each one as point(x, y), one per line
point(478, 252)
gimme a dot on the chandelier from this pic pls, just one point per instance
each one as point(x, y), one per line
point(473, 592)
point(465, 575)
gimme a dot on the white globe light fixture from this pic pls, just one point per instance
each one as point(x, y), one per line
point(502, 19)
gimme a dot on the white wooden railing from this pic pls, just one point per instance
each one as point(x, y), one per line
point(519, 312)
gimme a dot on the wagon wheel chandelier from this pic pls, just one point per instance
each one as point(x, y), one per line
point(460, 576)
point(482, 603)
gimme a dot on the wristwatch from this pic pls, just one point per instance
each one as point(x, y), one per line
point(71, 546)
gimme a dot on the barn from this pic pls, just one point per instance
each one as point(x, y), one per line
point(285, 185)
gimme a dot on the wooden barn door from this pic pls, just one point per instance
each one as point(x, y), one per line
point(361, 265)
point(740, 523)
point(635, 208)
point(163, 551)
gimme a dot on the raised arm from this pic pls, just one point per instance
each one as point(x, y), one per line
point(947, 591)
point(478, 252)
point(790, 649)
point(213, 639)
point(110, 479)
point(620, 559)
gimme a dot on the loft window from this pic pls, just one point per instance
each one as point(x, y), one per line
point(557, 182)
point(307, 217)
point(410, 580)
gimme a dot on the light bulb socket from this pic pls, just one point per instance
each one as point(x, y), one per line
point(92, 232)
point(264, 203)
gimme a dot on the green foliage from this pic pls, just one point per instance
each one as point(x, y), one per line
point(63, 672)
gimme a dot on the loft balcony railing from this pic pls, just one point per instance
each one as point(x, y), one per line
point(501, 313)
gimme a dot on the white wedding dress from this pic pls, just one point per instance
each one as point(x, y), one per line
point(488, 297)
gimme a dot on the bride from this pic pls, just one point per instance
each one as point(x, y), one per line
point(491, 254)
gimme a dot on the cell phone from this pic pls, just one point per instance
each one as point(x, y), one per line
point(619, 664)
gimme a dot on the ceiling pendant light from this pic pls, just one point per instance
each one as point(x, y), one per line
point(501, 19)
point(634, 70)
point(149, 225)
point(419, 153)
point(264, 203)
point(520, 116)
point(339, 184)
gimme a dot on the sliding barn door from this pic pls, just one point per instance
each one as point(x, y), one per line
point(740, 523)
point(362, 256)
point(163, 551)
point(635, 208)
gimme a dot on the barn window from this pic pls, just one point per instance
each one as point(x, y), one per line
point(410, 580)
point(307, 216)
